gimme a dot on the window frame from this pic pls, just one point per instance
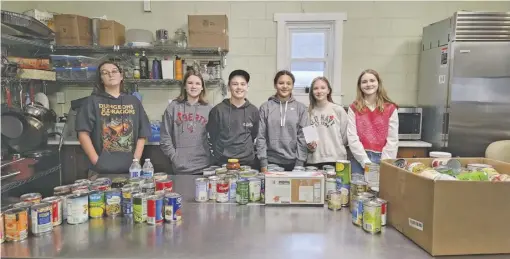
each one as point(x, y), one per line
point(286, 22)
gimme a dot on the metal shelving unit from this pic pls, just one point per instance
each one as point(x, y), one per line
point(11, 185)
point(157, 49)
point(144, 81)
point(23, 43)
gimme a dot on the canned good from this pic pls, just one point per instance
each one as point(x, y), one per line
point(41, 218)
point(57, 209)
point(16, 224)
point(311, 168)
point(371, 216)
point(99, 186)
point(113, 202)
point(154, 210)
point(254, 187)
point(384, 209)
point(31, 197)
point(331, 175)
point(104, 180)
point(137, 182)
point(368, 195)
point(334, 202)
point(357, 187)
point(262, 178)
point(161, 193)
point(242, 191)
point(83, 181)
point(77, 208)
point(344, 195)
point(149, 188)
point(97, 204)
point(164, 184)
point(357, 211)
point(173, 207)
point(127, 199)
point(119, 182)
point(79, 187)
point(298, 169)
point(245, 168)
point(208, 171)
point(212, 187)
point(23, 204)
point(201, 189)
point(139, 207)
point(221, 171)
point(2, 230)
point(232, 185)
point(248, 174)
point(374, 191)
point(160, 176)
point(400, 163)
point(372, 174)
point(330, 187)
point(62, 190)
point(222, 190)
point(343, 170)
point(416, 167)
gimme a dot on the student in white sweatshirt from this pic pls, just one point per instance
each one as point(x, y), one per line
point(372, 130)
point(330, 120)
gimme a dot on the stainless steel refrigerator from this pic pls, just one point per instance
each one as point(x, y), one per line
point(464, 82)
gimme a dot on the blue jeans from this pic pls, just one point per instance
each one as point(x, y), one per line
point(356, 167)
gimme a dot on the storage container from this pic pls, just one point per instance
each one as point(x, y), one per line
point(79, 73)
point(63, 73)
point(59, 61)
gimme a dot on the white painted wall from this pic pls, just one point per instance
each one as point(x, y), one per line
point(384, 36)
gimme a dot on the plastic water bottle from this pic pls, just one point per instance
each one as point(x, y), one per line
point(135, 169)
point(147, 169)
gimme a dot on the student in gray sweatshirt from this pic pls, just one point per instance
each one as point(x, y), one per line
point(234, 123)
point(183, 129)
point(280, 139)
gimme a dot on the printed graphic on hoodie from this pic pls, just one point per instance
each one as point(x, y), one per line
point(189, 120)
point(117, 129)
point(324, 120)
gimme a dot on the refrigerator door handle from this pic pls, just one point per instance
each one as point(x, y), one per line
point(446, 123)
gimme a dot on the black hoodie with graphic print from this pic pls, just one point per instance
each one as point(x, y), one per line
point(115, 125)
point(232, 131)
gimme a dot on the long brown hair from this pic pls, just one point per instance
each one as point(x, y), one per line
point(313, 102)
point(382, 96)
point(99, 80)
point(183, 96)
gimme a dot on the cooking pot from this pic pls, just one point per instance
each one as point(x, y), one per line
point(46, 116)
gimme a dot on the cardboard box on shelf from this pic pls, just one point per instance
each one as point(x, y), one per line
point(111, 33)
point(72, 30)
point(208, 31)
point(449, 217)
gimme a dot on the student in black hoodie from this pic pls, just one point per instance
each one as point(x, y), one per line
point(111, 125)
point(233, 124)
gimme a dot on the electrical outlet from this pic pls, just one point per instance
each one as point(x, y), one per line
point(61, 97)
point(147, 5)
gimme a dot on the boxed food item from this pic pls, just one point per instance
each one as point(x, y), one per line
point(111, 33)
point(72, 30)
point(294, 188)
point(449, 217)
point(36, 74)
point(208, 31)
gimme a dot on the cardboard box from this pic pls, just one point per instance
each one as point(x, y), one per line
point(449, 217)
point(111, 33)
point(208, 31)
point(72, 30)
point(294, 188)
point(37, 74)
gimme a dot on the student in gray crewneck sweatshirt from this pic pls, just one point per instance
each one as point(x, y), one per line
point(280, 139)
point(183, 129)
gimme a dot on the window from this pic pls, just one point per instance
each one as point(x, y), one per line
point(309, 45)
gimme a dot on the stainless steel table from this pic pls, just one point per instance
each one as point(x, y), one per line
point(225, 231)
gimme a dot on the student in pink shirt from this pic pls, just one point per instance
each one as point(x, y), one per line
point(372, 129)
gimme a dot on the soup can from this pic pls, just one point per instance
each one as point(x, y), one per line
point(16, 224)
point(155, 209)
point(127, 199)
point(119, 182)
point(254, 186)
point(137, 182)
point(384, 210)
point(201, 189)
point(357, 211)
point(243, 191)
point(212, 187)
point(77, 208)
point(149, 188)
point(164, 184)
point(139, 207)
point(97, 204)
point(113, 198)
point(57, 209)
point(173, 207)
point(31, 197)
point(41, 218)
point(62, 190)
point(222, 190)
point(232, 183)
point(357, 187)
point(343, 170)
point(371, 216)
point(160, 176)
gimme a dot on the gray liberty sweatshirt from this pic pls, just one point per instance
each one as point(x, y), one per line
point(280, 139)
point(184, 136)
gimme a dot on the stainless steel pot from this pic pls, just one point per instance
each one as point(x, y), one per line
point(46, 116)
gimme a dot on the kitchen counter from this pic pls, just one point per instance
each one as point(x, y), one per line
point(402, 143)
point(226, 231)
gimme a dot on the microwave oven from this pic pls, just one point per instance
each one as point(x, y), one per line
point(409, 123)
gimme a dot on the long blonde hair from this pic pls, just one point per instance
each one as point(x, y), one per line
point(313, 102)
point(183, 96)
point(382, 96)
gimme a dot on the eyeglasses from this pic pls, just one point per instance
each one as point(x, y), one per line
point(110, 73)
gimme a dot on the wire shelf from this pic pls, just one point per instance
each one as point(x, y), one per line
point(20, 42)
point(14, 184)
point(149, 49)
point(144, 81)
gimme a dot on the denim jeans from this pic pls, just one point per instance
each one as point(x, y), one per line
point(356, 167)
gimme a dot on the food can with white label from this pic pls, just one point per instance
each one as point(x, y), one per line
point(330, 187)
point(41, 219)
point(212, 187)
point(232, 183)
point(77, 208)
point(201, 191)
point(384, 210)
point(222, 190)
point(113, 198)
point(254, 187)
point(57, 209)
point(149, 188)
point(344, 194)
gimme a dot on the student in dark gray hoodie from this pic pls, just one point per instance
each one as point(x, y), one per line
point(234, 123)
point(183, 129)
point(111, 125)
point(280, 139)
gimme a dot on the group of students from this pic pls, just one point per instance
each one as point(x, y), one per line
point(113, 126)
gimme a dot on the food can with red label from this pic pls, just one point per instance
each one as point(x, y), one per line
point(16, 224)
point(100, 186)
point(83, 181)
point(164, 184)
point(384, 210)
point(212, 187)
point(56, 209)
point(160, 176)
point(104, 180)
point(79, 187)
point(173, 207)
point(62, 190)
point(222, 189)
point(154, 210)
point(41, 218)
point(201, 189)
point(31, 197)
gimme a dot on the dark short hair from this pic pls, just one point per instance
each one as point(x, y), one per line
point(282, 73)
point(239, 72)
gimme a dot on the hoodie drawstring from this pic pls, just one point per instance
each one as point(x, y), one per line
point(283, 118)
